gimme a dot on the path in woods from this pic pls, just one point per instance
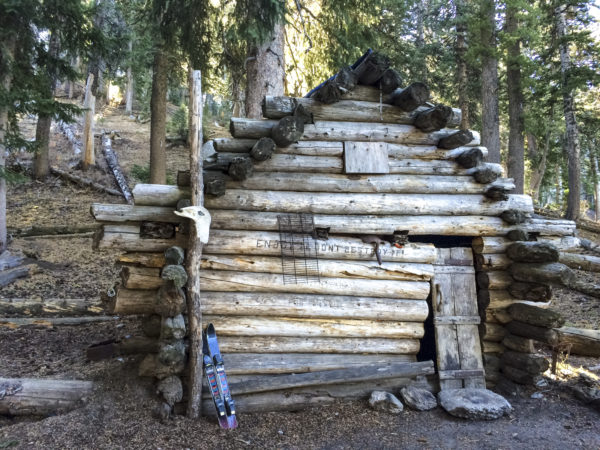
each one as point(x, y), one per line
point(120, 412)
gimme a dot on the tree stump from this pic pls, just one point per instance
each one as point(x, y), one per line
point(411, 97)
point(288, 130)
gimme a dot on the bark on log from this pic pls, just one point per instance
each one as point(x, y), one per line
point(532, 252)
point(535, 316)
point(429, 152)
point(555, 273)
point(371, 69)
point(157, 230)
point(541, 334)
point(433, 119)
point(42, 397)
point(499, 189)
point(260, 282)
point(263, 149)
point(486, 173)
point(514, 217)
point(358, 131)
point(297, 327)
point(492, 332)
point(534, 292)
point(390, 81)
point(141, 278)
point(518, 344)
point(84, 181)
point(154, 260)
point(499, 244)
point(471, 157)
point(330, 203)
point(494, 280)
point(292, 305)
point(583, 342)
point(113, 164)
point(339, 376)
point(49, 306)
point(533, 364)
point(328, 93)
point(492, 262)
point(49, 322)
point(343, 111)
point(580, 262)
point(287, 131)
point(411, 97)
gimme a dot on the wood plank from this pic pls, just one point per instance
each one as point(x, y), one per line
point(305, 148)
point(366, 157)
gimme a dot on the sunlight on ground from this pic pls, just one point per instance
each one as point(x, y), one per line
point(566, 372)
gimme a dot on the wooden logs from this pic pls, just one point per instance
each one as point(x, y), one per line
point(514, 217)
point(411, 97)
point(346, 79)
point(532, 315)
point(113, 164)
point(532, 252)
point(371, 69)
point(541, 334)
point(492, 332)
point(499, 189)
point(499, 244)
point(492, 347)
point(291, 305)
point(492, 262)
point(133, 301)
point(263, 149)
point(154, 260)
point(493, 280)
point(582, 341)
point(333, 203)
point(328, 93)
point(433, 119)
point(534, 292)
point(486, 173)
point(530, 363)
point(518, 344)
point(141, 278)
point(49, 322)
point(390, 81)
point(456, 139)
point(240, 168)
point(580, 262)
point(174, 256)
point(157, 230)
point(49, 306)
point(227, 281)
point(338, 376)
point(470, 157)
point(556, 273)
point(42, 397)
point(132, 213)
point(356, 131)
point(287, 131)
point(288, 163)
point(519, 376)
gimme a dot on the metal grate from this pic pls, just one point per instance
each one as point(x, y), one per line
point(299, 251)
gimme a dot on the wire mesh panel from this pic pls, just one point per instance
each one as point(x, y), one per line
point(299, 251)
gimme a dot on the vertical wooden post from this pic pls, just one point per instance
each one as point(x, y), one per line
point(129, 92)
point(194, 255)
point(89, 103)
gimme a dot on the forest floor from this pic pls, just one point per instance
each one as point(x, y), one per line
point(120, 412)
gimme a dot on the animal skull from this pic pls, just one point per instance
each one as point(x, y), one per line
point(201, 217)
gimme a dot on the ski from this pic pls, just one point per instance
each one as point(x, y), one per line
point(229, 420)
point(211, 378)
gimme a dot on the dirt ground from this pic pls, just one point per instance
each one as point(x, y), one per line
point(120, 412)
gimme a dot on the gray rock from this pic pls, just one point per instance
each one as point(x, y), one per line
point(474, 404)
point(385, 402)
point(173, 328)
point(418, 398)
point(171, 389)
point(171, 353)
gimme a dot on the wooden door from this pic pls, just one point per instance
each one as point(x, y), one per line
point(456, 319)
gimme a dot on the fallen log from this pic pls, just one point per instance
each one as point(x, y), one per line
point(113, 164)
point(339, 376)
point(129, 301)
point(36, 307)
point(346, 111)
point(42, 397)
point(580, 262)
point(84, 181)
point(9, 275)
point(49, 322)
point(225, 281)
point(70, 134)
point(582, 341)
point(330, 203)
point(356, 131)
point(535, 316)
point(52, 231)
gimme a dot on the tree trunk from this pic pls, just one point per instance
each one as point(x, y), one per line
point(596, 184)
point(158, 108)
point(265, 71)
point(129, 92)
point(572, 143)
point(490, 118)
point(461, 63)
point(89, 103)
point(6, 54)
point(42, 131)
point(516, 145)
point(539, 169)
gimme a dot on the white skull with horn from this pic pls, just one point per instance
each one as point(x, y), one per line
point(201, 218)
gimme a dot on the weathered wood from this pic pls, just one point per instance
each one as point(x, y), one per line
point(425, 167)
point(530, 291)
point(371, 69)
point(494, 261)
point(70, 133)
point(486, 173)
point(89, 104)
point(141, 278)
point(532, 315)
point(285, 163)
point(346, 79)
point(497, 315)
point(330, 203)
point(533, 364)
point(556, 273)
point(170, 300)
point(195, 253)
point(301, 148)
point(514, 217)
point(411, 97)
point(288, 130)
point(49, 322)
point(494, 279)
point(344, 111)
point(471, 157)
point(499, 244)
point(541, 334)
point(457, 139)
point(132, 213)
point(84, 181)
point(263, 149)
point(499, 189)
point(49, 306)
point(127, 346)
point(113, 164)
point(499, 299)
point(433, 119)
point(155, 260)
point(390, 81)
point(50, 231)
point(365, 157)
point(296, 327)
point(582, 341)
point(580, 262)
point(292, 305)
point(229, 281)
point(329, 93)
point(532, 252)
point(339, 376)
point(518, 344)
point(492, 332)
point(9, 275)
point(355, 131)
point(42, 397)
point(9, 260)
point(519, 376)
point(492, 347)
point(429, 152)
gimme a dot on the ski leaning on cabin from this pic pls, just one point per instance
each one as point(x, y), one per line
point(214, 370)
